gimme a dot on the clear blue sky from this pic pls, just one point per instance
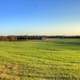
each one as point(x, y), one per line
point(40, 17)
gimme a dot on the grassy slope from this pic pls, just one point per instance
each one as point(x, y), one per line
point(40, 60)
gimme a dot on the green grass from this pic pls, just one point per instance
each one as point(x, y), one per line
point(40, 60)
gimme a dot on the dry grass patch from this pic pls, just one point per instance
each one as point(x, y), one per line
point(10, 72)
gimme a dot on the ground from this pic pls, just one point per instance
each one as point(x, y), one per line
point(57, 59)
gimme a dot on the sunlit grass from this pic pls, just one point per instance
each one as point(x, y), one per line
point(40, 60)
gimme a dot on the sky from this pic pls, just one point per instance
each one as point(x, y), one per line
point(40, 17)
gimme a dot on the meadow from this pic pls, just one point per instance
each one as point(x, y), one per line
point(57, 59)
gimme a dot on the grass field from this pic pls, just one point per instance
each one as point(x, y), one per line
point(40, 60)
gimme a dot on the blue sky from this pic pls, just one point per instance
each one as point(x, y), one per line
point(50, 17)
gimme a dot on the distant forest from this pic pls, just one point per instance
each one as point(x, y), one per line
point(24, 37)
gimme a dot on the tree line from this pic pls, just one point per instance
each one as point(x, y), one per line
point(22, 37)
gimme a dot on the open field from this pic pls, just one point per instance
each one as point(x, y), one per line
point(40, 60)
